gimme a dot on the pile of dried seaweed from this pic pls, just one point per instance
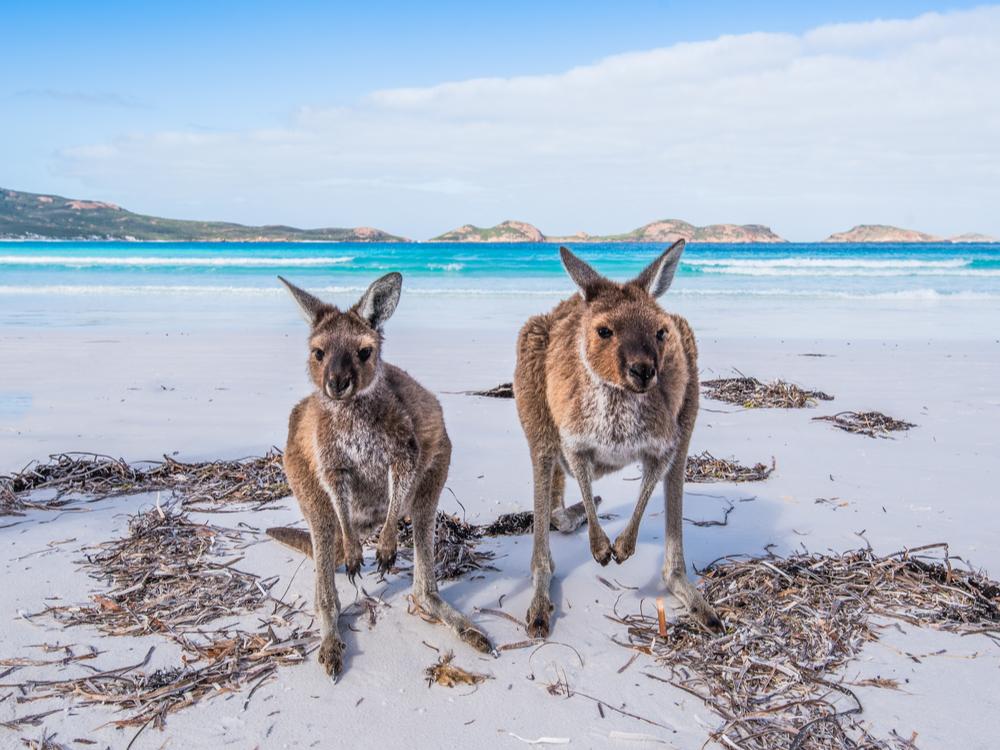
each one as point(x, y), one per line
point(225, 664)
point(255, 481)
point(705, 467)
point(792, 624)
point(169, 577)
point(455, 546)
point(870, 423)
point(165, 575)
point(504, 390)
point(509, 524)
point(750, 393)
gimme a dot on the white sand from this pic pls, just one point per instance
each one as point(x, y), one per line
point(228, 394)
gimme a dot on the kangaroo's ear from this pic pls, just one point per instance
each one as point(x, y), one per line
point(659, 274)
point(585, 277)
point(379, 302)
point(310, 306)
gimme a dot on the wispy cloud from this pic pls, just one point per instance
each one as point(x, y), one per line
point(89, 98)
point(890, 121)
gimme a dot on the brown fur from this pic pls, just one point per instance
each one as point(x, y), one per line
point(367, 447)
point(605, 379)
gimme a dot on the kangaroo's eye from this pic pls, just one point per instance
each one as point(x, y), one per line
point(661, 334)
point(604, 332)
point(365, 353)
point(318, 354)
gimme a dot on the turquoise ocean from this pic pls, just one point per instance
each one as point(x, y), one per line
point(925, 271)
point(878, 290)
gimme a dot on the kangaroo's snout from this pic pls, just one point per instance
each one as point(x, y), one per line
point(641, 374)
point(339, 385)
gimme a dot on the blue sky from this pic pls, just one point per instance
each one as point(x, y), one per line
point(163, 108)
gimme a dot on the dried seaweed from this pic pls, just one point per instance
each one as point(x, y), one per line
point(255, 481)
point(232, 660)
point(455, 552)
point(751, 393)
point(870, 423)
point(510, 524)
point(168, 577)
point(163, 576)
point(792, 625)
point(445, 673)
point(705, 467)
point(45, 742)
point(504, 390)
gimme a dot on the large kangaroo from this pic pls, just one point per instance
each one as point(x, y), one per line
point(367, 447)
point(606, 379)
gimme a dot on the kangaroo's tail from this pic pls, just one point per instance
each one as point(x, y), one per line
point(297, 539)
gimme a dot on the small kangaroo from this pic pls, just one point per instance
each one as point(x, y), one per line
point(605, 379)
point(367, 447)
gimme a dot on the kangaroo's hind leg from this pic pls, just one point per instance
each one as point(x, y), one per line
point(425, 590)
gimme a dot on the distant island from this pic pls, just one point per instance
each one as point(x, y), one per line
point(25, 216)
point(666, 230)
point(40, 216)
point(885, 233)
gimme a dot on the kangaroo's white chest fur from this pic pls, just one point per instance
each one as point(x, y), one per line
point(616, 428)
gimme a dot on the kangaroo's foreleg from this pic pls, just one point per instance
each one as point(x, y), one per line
point(653, 470)
point(337, 483)
point(402, 482)
point(600, 545)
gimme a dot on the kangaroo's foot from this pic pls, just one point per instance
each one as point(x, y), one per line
point(624, 546)
point(567, 520)
point(600, 545)
point(433, 604)
point(539, 617)
point(693, 601)
point(331, 655)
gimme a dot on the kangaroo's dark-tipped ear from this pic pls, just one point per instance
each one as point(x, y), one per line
point(582, 274)
point(310, 306)
point(379, 302)
point(659, 274)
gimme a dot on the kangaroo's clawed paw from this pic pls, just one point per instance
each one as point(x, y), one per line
point(355, 559)
point(386, 559)
point(478, 640)
point(600, 546)
point(624, 548)
point(539, 616)
point(331, 655)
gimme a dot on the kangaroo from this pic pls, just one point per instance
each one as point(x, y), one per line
point(605, 379)
point(367, 447)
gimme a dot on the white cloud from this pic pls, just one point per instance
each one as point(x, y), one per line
point(887, 121)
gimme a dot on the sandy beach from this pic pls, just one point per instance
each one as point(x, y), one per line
point(216, 380)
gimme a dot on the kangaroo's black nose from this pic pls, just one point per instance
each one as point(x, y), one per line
point(642, 371)
point(342, 383)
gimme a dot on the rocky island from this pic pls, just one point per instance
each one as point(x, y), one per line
point(506, 231)
point(666, 230)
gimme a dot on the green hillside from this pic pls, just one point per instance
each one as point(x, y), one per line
point(39, 216)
